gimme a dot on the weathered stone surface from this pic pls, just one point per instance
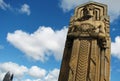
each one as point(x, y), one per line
point(87, 50)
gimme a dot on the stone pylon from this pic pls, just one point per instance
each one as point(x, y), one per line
point(87, 50)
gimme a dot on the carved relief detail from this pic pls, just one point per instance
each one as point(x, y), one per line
point(83, 61)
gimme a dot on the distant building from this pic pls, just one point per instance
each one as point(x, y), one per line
point(8, 77)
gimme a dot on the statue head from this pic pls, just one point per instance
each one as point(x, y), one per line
point(88, 11)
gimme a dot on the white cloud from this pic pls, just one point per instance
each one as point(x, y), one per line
point(14, 68)
point(25, 8)
point(53, 75)
point(67, 5)
point(115, 47)
point(22, 72)
point(37, 72)
point(27, 80)
point(113, 6)
point(40, 44)
point(4, 5)
point(33, 80)
point(2, 74)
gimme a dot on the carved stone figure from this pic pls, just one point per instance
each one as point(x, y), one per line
point(8, 77)
point(87, 50)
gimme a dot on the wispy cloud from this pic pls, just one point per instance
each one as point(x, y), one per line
point(20, 71)
point(25, 9)
point(40, 44)
point(4, 5)
point(113, 6)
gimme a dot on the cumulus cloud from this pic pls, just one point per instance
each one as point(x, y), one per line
point(4, 5)
point(14, 68)
point(25, 8)
point(113, 5)
point(115, 47)
point(40, 44)
point(37, 72)
point(53, 75)
point(33, 80)
point(34, 73)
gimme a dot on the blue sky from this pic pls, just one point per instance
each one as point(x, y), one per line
point(32, 37)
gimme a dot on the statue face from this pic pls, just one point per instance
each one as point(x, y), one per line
point(88, 10)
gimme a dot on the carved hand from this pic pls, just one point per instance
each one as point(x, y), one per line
point(94, 33)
